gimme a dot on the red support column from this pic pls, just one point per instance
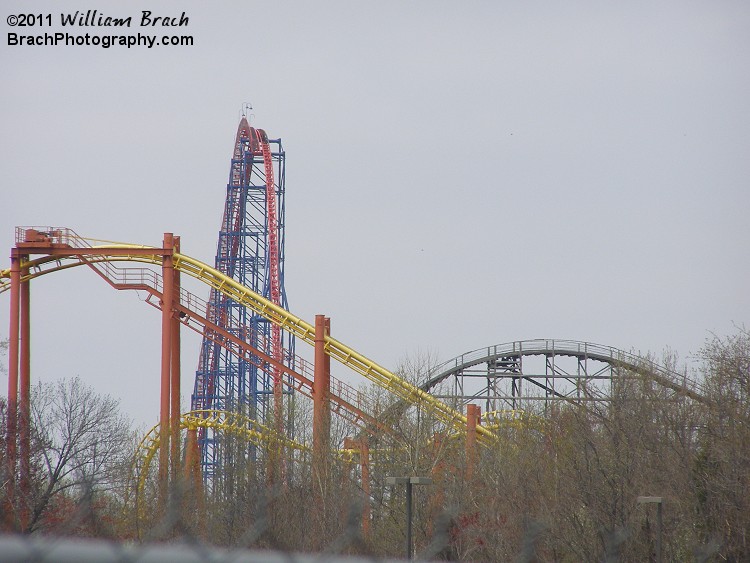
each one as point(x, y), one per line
point(278, 389)
point(24, 405)
point(363, 448)
point(191, 460)
point(326, 394)
point(327, 382)
point(13, 353)
point(473, 415)
point(321, 430)
point(174, 392)
point(166, 351)
point(321, 390)
point(364, 460)
point(193, 501)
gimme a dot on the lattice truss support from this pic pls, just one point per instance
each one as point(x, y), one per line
point(530, 375)
point(250, 250)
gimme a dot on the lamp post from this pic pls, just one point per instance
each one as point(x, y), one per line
point(659, 501)
point(409, 482)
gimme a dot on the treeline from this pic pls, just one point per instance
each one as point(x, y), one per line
point(559, 485)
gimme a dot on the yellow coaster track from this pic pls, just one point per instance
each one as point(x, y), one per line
point(267, 309)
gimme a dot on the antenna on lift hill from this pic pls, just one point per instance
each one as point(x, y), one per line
point(245, 111)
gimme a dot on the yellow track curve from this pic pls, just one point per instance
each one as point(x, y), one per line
point(275, 314)
point(230, 422)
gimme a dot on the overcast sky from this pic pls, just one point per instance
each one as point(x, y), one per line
point(459, 174)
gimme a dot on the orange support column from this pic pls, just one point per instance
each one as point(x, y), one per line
point(174, 391)
point(13, 353)
point(363, 448)
point(192, 462)
point(321, 431)
point(326, 384)
point(192, 497)
point(364, 460)
point(321, 390)
point(24, 405)
point(166, 351)
point(473, 415)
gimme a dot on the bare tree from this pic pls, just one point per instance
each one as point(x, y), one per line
point(722, 465)
point(81, 442)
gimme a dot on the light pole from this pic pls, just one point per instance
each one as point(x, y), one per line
point(408, 481)
point(659, 501)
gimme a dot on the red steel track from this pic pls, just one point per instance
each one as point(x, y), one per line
point(273, 266)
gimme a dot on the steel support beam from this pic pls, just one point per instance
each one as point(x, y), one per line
point(362, 446)
point(13, 357)
point(24, 404)
point(166, 352)
point(174, 392)
point(321, 413)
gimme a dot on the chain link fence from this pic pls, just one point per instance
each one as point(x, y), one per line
point(36, 548)
point(172, 539)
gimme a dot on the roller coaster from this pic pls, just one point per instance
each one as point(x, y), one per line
point(248, 362)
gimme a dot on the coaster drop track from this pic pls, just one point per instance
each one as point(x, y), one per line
point(250, 250)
